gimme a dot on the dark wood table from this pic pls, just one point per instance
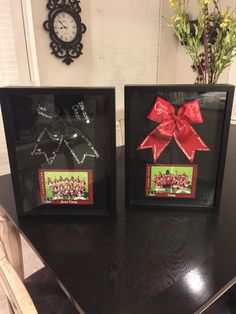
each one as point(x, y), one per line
point(143, 262)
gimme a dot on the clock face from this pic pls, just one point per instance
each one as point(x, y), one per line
point(65, 26)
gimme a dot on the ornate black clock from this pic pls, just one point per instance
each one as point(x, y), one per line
point(65, 29)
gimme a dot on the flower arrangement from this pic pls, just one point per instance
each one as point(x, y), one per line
point(210, 42)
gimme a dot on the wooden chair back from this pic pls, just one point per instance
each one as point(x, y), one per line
point(11, 269)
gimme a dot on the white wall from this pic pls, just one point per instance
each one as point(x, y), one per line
point(232, 80)
point(120, 45)
point(168, 47)
point(232, 70)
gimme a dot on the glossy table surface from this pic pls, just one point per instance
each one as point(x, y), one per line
point(143, 262)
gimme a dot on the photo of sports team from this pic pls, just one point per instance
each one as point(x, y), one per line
point(170, 181)
point(61, 187)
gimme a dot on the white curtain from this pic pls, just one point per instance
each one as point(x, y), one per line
point(9, 73)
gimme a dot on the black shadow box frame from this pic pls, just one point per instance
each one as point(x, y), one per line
point(144, 184)
point(61, 147)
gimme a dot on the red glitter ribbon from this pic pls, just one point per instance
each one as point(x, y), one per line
point(177, 126)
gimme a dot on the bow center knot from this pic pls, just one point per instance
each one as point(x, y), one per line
point(175, 118)
point(174, 122)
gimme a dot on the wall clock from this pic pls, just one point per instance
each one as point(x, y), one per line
point(65, 29)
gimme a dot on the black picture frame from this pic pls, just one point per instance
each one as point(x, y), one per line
point(139, 100)
point(22, 114)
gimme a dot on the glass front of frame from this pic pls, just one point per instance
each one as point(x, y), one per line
point(174, 145)
point(62, 150)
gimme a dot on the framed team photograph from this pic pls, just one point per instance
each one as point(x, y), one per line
point(176, 181)
point(66, 187)
point(62, 150)
point(175, 146)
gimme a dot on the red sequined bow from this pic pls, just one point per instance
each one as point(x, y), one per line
point(177, 126)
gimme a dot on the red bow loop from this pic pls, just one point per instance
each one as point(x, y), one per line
point(160, 111)
point(191, 111)
point(177, 126)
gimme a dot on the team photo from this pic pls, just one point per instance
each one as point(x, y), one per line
point(171, 181)
point(61, 187)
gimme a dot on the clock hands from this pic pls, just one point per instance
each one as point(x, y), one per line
point(62, 24)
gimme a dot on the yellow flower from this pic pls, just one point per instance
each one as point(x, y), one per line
point(227, 20)
point(207, 1)
point(172, 3)
point(225, 24)
point(175, 18)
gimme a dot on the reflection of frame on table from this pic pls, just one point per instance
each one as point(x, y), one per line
point(169, 180)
